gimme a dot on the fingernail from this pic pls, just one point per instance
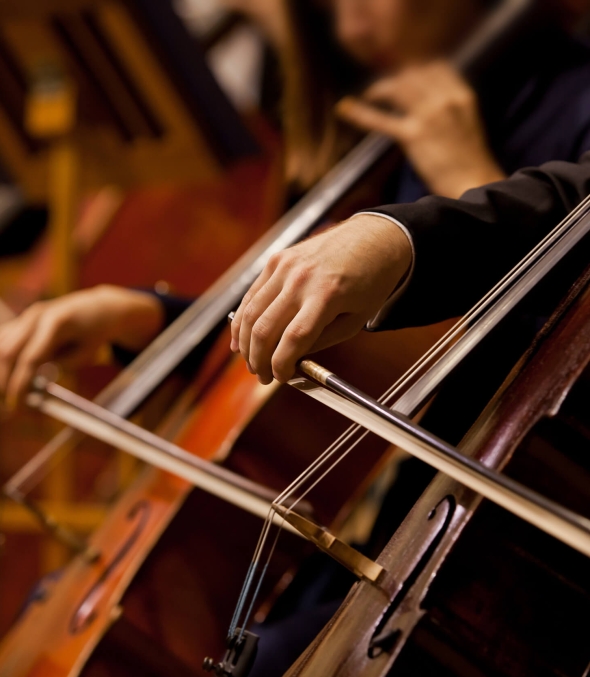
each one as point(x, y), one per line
point(233, 346)
point(250, 368)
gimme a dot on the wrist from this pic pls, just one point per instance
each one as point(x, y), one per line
point(393, 238)
point(135, 318)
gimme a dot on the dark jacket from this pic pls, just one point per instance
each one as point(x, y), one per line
point(463, 247)
point(535, 103)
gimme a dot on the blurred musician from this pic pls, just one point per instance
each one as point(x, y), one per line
point(455, 135)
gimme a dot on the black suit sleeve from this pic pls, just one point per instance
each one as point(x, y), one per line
point(463, 247)
point(173, 307)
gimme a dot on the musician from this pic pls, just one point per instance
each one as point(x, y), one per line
point(532, 107)
point(399, 265)
point(456, 134)
point(394, 266)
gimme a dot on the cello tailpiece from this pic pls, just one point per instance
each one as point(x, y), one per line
point(239, 657)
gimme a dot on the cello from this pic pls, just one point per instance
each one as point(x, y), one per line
point(143, 374)
point(462, 589)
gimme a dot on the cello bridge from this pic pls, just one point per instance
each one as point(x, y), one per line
point(362, 567)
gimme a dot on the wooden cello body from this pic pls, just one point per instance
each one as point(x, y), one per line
point(470, 589)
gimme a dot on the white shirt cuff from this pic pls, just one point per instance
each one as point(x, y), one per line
point(374, 322)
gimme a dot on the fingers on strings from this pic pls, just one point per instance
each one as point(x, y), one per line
point(276, 332)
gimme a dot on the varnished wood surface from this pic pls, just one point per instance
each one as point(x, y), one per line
point(506, 599)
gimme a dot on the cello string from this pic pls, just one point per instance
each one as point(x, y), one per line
point(260, 547)
point(323, 475)
point(261, 543)
point(550, 241)
point(261, 578)
point(511, 278)
point(324, 457)
point(543, 248)
point(240, 603)
point(251, 571)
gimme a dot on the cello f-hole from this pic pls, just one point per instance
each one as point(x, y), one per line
point(438, 521)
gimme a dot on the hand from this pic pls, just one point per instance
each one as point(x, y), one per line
point(318, 293)
point(435, 119)
point(70, 330)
